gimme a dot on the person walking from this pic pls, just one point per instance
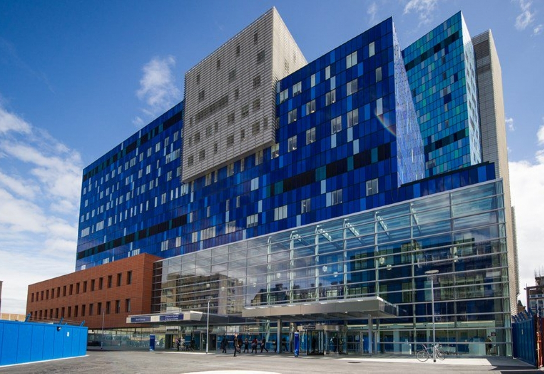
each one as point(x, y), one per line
point(254, 345)
point(246, 345)
point(224, 344)
point(235, 342)
point(263, 345)
point(488, 345)
point(178, 343)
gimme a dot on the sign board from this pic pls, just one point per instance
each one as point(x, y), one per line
point(171, 317)
point(138, 319)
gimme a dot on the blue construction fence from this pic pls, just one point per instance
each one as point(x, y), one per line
point(22, 342)
point(524, 337)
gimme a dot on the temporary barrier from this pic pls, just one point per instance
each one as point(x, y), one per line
point(524, 337)
point(22, 342)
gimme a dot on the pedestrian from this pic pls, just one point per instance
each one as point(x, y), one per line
point(488, 345)
point(246, 345)
point(178, 343)
point(235, 343)
point(263, 345)
point(254, 345)
point(224, 344)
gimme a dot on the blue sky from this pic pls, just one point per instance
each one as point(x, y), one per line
point(78, 77)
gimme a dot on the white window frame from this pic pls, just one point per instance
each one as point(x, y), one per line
point(336, 125)
point(305, 206)
point(292, 116)
point(284, 95)
point(297, 88)
point(310, 135)
point(330, 97)
point(336, 197)
point(252, 220)
point(351, 60)
point(353, 117)
point(372, 187)
point(352, 87)
point(280, 213)
point(292, 143)
point(310, 107)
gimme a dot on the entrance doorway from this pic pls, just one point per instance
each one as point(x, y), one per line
point(315, 341)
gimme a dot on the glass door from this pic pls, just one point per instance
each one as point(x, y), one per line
point(315, 342)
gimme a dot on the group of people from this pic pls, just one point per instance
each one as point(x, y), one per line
point(239, 344)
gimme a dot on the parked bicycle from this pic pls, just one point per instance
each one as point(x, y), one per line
point(427, 352)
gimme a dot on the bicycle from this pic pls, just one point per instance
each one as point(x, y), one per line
point(427, 352)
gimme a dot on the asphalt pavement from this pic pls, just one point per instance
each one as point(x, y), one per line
point(173, 362)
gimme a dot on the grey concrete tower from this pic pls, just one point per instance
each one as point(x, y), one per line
point(230, 97)
point(493, 133)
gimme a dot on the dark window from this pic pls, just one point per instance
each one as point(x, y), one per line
point(127, 305)
point(260, 57)
point(63, 290)
point(109, 280)
point(100, 283)
point(92, 284)
point(91, 309)
point(99, 311)
point(119, 279)
point(117, 306)
point(108, 306)
point(129, 277)
point(83, 310)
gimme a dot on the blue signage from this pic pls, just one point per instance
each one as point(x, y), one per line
point(152, 342)
point(171, 317)
point(297, 344)
point(139, 319)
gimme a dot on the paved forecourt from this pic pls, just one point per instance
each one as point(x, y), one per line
point(215, 363)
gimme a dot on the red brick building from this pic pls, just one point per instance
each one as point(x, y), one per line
point(112, 291)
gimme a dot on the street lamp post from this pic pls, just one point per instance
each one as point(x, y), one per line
point(208, 327)
point(431, 274)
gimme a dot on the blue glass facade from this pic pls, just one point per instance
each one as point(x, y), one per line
point(336, 153)
point(441, 70)
point(375, 177)
point(345, 143)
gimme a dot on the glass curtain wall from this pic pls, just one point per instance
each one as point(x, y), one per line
point(384, 252)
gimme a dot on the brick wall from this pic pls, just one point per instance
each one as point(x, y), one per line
point(112, 291)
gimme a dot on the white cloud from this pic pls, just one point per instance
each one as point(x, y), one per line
point(538, 29)
point(424, 9)
point(10, 122)
point(18, 186)
point(540, 134)
point(526, 17)
point(157, 88)
point(372, 11)
point(40, 183)
point(527, 186)
point(510, 124)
